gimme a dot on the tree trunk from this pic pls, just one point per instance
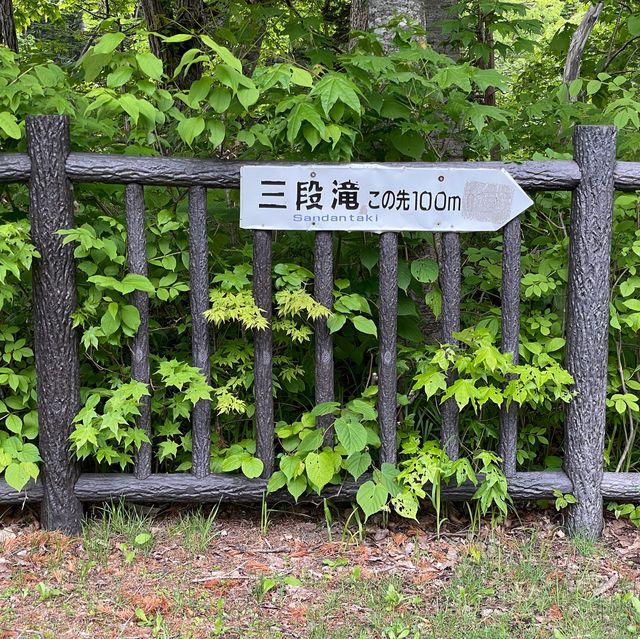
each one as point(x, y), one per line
point(168, 18)
point(578, 43)
point(8, 34)
point(374, 13)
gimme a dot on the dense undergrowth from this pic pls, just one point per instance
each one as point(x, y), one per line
point(309, 99)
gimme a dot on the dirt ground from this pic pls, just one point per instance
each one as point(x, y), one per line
point(178, 572)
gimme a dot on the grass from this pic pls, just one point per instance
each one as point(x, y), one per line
point(206, 574)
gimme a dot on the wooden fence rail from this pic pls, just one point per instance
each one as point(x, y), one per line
point(50, 168)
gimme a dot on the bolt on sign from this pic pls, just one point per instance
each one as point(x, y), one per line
point(358, 197)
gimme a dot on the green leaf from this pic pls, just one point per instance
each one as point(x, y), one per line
point(334, 87)
point(224, 53)
point(217, 131)
point(276, 481)
point(16, 476)
point(190, 128)
point(409, 143)
point(109, 324)
point(9, 125)
point(633, 24)
point(252, 467)
point(247, 97)
point(425, 271)
point(357, 464)
point(574, 87)
point(365, 325)
point(120, 76)
point(320, 469)
point(14, 424)
point(352, 435)
point(593, 86)
point(303, 112)
point(335, 322)
point(142, 539)
point(130, 316)
point(220, 99)
point(387, 477)
point(406, 505)
point(108, 43)
point(363, 408)
point(311, 441)
point(297, 486)
point(371, 498)
point(150, 65)
point(301, 77)
point(233, 462)
point(326, 408)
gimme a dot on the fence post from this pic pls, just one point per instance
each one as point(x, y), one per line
point(54, 300)
point(588, 323)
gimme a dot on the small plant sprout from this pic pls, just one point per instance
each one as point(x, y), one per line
point(562, 501)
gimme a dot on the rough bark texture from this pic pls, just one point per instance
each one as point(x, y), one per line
point(140, 368)
point(323, 293)
point(170, 17)
point(578, 42)
point(588, 323)
point(374, 13)
point(54, 300)
point(388, 337)
point(557, 175)
point(185, 487)
point(263, 352)
point(510, 338)
point(450, 286)
point(8, 34)
point(200, 344)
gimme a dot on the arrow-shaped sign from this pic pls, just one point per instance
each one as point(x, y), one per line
point(370, 197)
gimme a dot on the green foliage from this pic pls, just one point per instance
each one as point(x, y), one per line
point(306, 97)
point(484, 375)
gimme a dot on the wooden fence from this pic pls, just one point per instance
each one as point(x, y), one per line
point(50, 168)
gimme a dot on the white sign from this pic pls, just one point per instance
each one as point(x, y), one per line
point(373, 197)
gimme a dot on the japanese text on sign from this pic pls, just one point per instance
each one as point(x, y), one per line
point(378, 198)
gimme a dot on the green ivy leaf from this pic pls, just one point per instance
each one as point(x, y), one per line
point(9, 125)
point(252, 467)
point(276, 481)
point(16, 476)
point(311, 441)
point(326, 408)
point(371, 498)
point(14, 424)
point(352, 435)
point(425, 271)
point(357, 464)
point(297, 486)
point(320, 469)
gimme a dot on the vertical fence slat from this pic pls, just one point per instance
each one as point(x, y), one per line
point(263, 352)
point(450, 280)
point(588, 323)
point(323, 293)
point(200, 345)
point(54, 300)
point(387, 372)
point(140, 370)
point(511, 272)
